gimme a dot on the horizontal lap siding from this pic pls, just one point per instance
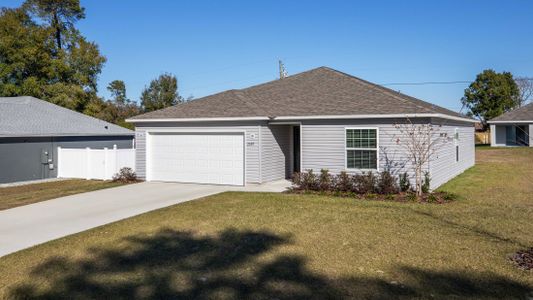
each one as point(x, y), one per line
point(251, 142)
point(444, 166)
point(323, 146)
point(275, 152)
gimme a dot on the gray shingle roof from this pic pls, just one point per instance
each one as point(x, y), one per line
point(524, 113)
point(321, 91)
point(29, 116)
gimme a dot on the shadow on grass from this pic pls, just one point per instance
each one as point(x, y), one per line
point(478, 231)
point(180, 265)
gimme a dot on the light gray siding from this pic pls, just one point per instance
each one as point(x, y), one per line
point(323, 147)
point(501, 135)
point(444, 165)
point(275, 152)
point(251, 140)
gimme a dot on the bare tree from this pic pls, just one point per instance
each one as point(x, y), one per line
point(525, 87)
point(420, 141)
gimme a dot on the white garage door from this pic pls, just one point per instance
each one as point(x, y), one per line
point(198, 158)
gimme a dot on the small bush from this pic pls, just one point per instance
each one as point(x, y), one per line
point(309, 181)
point(387, 183)
point(343, 182)
point(125, 175)
point(405, 184)
point(325, 180)
point(296, 179)
point(365, 183)
point(411, 197)
point(425, 183)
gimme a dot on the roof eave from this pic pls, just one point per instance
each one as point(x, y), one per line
point(313, 117)
point(509, 121)
point(157, 120)
point(66, 135)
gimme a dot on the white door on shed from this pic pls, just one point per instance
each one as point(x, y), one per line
point(197, 158)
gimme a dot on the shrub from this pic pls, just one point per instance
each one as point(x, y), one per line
point(405, 184)
point(425, 183)
point(387, 183)
point(411, 197)
point(125, 175)
point(343, 182)
point(296, 180)
point(309, 181)
point(365, 183)
point(325, 180)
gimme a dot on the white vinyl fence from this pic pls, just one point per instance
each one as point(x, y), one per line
point(93, 163)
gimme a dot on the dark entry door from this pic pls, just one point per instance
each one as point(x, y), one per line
point(296, 148)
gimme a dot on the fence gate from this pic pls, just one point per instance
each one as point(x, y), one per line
point(93, 163)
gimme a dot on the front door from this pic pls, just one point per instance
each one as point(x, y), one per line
point(296, 149)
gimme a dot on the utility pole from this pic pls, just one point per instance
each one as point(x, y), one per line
point(282, 71)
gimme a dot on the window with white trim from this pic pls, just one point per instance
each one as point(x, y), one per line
point(361, 148)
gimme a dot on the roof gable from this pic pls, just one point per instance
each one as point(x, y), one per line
point(524, 113)
point(318, 92)
point(29, 116)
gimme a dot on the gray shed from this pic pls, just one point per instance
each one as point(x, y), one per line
point(31, 130)
point(513, 128)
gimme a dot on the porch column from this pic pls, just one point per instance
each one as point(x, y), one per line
point(492, 135)
point(530, 133)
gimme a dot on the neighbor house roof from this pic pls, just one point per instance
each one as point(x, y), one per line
point(318, 93)
point(29, 116)
point(523, 114)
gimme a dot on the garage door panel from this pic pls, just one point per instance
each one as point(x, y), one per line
point(201, 158)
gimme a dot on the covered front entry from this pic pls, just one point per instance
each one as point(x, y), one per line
point(512, 135)
point(214, 158)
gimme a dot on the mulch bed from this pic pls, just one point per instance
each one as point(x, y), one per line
point(523, 259)
point(431, 198)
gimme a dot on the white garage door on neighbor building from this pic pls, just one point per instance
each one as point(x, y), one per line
point(216, 158)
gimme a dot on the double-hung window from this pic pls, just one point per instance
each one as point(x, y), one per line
point(362, 148)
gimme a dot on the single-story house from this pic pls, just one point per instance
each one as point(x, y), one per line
point(318, 119)
point(513, 128)
point(31, 130)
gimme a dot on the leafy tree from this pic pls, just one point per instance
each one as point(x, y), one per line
point(34, 62)
point(117, 88)
point(490, 95)
point(60, 15)
point(162, 92)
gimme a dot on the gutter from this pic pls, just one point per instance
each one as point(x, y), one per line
point(65, 135)
point(317, 117)
point(508, 122)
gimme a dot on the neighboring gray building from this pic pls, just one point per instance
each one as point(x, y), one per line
point(31, 130)
point(317, 119)
point(513, 128)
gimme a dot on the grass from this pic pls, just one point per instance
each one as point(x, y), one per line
point(27, 194)
point(285, 246)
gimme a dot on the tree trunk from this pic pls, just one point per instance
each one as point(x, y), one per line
point(58, 31)
point(418, 175)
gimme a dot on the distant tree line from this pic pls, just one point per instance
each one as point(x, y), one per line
point(43, 54)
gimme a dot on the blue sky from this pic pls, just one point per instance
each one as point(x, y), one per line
point(213, 46)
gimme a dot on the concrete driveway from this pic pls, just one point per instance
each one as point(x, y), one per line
point(33, 224)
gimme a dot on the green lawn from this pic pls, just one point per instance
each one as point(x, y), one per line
point(27, 194)
point(281, 246)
